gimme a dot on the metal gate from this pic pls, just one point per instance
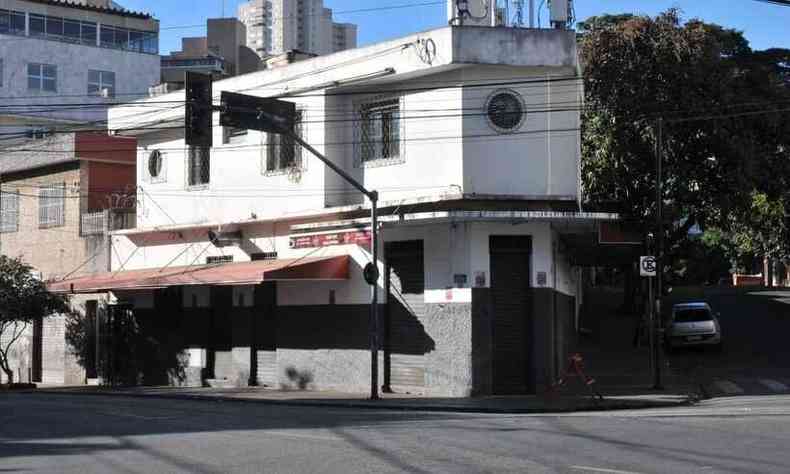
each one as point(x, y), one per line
point(512, 328)
point(267, 368)
point(265, 329)
point(404, 339)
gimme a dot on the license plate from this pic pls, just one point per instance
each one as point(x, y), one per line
point(694, 338)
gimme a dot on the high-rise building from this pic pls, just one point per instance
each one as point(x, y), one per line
point(277, 26)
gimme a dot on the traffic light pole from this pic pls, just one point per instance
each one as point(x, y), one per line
point(373, 196)
point(276, 116)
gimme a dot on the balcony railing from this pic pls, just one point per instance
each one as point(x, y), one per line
point(101, 222)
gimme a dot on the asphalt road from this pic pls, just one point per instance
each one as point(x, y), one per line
point(99, 434)
point(756, 355)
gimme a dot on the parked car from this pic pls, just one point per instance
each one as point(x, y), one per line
point(693, 324)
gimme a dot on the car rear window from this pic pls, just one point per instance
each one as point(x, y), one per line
point(692, 315)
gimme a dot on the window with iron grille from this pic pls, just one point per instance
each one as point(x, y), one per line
point(51, 205)
point(282, 152)
point(99, 81)
point(199, 166)
point(9, 211)
point(379, 130)
point(42, 77)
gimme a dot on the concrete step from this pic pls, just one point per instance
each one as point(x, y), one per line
point(220, 383)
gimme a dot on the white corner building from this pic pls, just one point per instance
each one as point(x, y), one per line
point(252, 251)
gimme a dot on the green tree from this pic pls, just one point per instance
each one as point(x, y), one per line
point(23, 299)
point(711, 90)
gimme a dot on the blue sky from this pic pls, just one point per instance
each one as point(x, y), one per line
point(765, 25)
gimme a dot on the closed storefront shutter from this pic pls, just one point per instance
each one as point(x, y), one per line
point(512, 335)
point(267, 368)
point(406, 309)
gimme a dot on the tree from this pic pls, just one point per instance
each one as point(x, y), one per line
point(23, 299)
point(711, 90)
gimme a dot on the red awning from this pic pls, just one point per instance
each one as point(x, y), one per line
point(244, 273)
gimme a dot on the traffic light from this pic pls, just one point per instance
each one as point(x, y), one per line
point(199, 110)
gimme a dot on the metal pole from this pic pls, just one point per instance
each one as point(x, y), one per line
point(374, 242)
point(659, 253)
point(374, 300)
point(650, 320)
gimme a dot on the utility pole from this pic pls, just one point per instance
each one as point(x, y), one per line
point(658, 326)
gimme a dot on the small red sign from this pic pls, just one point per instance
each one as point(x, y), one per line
point(361, 238)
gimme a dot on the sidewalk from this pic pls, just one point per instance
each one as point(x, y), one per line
point(563, 402)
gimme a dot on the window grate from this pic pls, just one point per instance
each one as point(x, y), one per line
point(282, 152)
point(51, 205)
point(199, 166)
point(379, 130)
point(9, 211)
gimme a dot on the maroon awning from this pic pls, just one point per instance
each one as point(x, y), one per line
point(244, 273)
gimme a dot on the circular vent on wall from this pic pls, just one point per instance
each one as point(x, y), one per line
point(505, 110)
point(155, 163)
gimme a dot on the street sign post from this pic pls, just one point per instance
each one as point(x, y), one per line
point(647, 266)
point(648, 269)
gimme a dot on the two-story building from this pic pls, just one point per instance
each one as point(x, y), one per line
point(247, 259)
point(59, 198)
point(62, 64)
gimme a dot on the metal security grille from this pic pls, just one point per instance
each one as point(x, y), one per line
point(51, 205)
point(406, 340)
point(283, 152)
point(199, 166)
point(379, 130)
point(505, 111)
point(9, 211)
point(511, 325)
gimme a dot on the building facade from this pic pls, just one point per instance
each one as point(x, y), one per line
point(277, 26)
point(72, 52)
point(62, 64)
point(247, 258)
point(59, 198)
point(222, 53)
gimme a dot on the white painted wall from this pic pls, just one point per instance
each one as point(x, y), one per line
point(541, 157)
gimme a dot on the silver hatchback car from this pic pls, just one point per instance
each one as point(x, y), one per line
point(693, 324)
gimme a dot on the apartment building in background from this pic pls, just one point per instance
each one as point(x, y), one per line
point(82, 53)
point(222, 53)
point(277, 26)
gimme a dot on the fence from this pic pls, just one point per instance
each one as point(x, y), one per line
point(101, 222)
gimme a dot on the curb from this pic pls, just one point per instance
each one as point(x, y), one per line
point(384, 405)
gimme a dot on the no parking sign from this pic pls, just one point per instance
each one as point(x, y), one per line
point(647, 266)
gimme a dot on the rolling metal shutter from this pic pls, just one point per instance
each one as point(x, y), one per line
point(511, 324)
point(406, 307)
point(267, 368)
point(265, 328)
